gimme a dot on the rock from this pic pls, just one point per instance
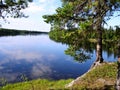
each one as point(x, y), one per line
point(101, 80)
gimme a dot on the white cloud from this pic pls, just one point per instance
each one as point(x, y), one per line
point(36, 10)
point(33, 8)
point(27, 24)
point(42, 1)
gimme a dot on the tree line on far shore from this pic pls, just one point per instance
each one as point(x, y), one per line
point(13, 32)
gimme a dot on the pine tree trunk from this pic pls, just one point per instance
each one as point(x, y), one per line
point(99, 57)
point(118, 72)
point(98, 28)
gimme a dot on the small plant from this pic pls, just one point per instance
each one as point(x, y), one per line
point(3, 82)
point(24, 78)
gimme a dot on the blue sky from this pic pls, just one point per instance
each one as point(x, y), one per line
point(36, 10)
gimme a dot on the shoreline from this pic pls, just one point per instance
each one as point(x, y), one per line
point(98, 78)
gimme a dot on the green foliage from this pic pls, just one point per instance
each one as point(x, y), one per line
point(63, 18)
point(84, 15)
point(75, 35)
point(111, 34)
point(83, 12)
point(10, 2)
point(86, 25)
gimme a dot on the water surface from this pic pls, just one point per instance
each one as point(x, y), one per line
point(39, 57)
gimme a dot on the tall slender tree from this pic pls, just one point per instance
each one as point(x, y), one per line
point(118, 73)
point(75, 12)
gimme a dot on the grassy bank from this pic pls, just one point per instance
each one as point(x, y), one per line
point(103, 77)
point(40, 84)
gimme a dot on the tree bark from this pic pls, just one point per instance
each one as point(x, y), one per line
point(118, 72)
point(98, 28)
point(99, 57)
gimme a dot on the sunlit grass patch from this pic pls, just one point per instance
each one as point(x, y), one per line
point(40, 84)
point(100, 78)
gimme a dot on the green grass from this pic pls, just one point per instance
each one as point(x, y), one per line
point(102, 77)
point(40, 84)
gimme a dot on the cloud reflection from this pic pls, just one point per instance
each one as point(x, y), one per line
point(28, 56)
point(22, 62)
point(40, 70)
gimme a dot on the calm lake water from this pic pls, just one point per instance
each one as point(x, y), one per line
point(39, 57)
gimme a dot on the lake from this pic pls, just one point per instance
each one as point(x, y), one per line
point(36, 56)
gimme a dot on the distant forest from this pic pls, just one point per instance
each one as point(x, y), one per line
point(13, 32)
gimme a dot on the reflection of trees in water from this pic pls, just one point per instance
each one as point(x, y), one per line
point(79, 55)
point(81, 49)
point(110, 48)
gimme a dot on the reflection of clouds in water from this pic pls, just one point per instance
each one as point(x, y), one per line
point(20, 55)
point(39, 65)
point(1, 67)
point(51, 57)
point(40, 70)
point(69, 59)
point(28, 56)
point(33, 56)
point(9, 76)
point(27, 41)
